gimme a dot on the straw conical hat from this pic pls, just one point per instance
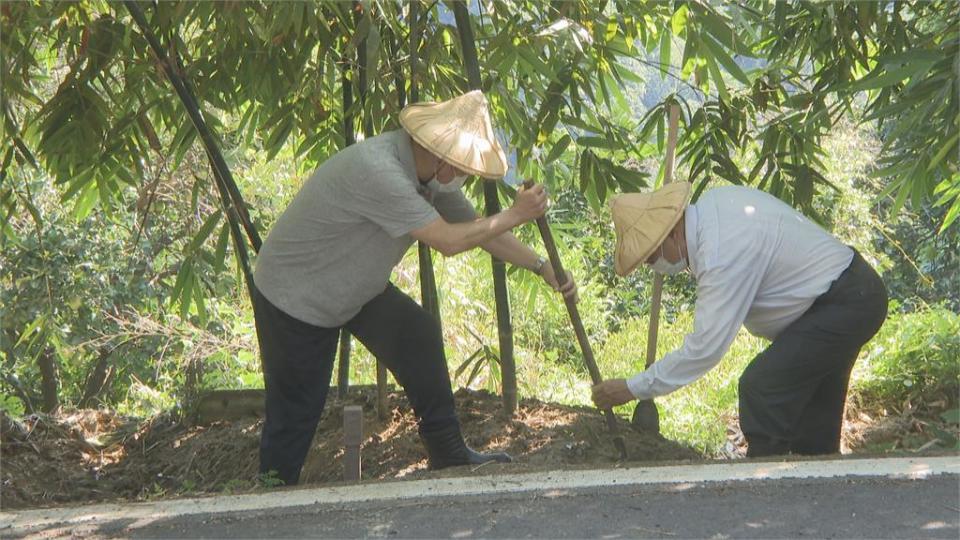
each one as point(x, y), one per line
point(643, 221)
point(458, 131)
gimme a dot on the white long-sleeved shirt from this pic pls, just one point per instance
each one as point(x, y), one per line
point(758, 263)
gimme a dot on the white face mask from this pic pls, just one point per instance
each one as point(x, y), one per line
point(453, 186)
point(664, 266)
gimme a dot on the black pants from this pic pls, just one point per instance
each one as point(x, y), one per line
point(792, 394)
point(298, 362)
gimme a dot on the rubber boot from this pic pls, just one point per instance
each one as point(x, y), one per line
point(446, 448)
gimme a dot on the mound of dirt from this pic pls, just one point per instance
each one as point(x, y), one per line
point(93, 455)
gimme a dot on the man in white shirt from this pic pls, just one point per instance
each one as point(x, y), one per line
point(760, 264)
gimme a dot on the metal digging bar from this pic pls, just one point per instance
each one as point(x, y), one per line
point(574, 313)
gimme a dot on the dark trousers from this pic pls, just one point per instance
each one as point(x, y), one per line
point(298, 362)
point(792, 394)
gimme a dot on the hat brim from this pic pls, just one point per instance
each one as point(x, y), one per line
point(478, 153)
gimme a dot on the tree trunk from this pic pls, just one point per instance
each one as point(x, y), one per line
point(96, 379)
point(508, 367)
point(49, 381)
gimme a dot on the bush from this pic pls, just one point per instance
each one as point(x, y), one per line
point(915, 355)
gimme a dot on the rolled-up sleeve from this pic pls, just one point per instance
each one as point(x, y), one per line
point(724, 296)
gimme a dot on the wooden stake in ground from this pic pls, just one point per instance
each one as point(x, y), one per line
point(578, 329)
point(352, 435)
point(645, 415)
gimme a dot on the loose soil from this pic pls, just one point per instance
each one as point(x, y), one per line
point(94, 455)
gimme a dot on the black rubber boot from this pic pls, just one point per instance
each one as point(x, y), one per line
point(446, 448)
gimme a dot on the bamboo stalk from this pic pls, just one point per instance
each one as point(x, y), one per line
point(367, 123)
point(349, 138)
point(222, 171)
point(508, 368)
point(428, 281)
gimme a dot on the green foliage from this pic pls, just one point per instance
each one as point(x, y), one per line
point(270, 479)
point(914, 355)
point(187, 486)
point(115, 247)
point(89, 293)
point(11, 405)
point(694, 414)
point(558, 77)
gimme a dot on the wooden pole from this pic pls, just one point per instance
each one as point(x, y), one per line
point(508, 368)
point(352, 439)
point(578, 328)
point(656, 296)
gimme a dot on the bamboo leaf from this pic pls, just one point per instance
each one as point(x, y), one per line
point(679, 20)
point(724, 58)
point(205, 230)
point(558, 149)
point(665, 41)
point(531, 58)
point(220, 252)
point(280, 133)
point(199, 299)
point(85, 202)
point(35, 326)
point(186, 295)
point(951, 215)
point(595, 142)
point(951, 145)
point(182, 276)
point(717, 78)
point(884, 78)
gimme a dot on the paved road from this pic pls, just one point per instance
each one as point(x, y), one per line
point(844, 508)
point(918, 500)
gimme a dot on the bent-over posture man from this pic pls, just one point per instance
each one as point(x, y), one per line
point(761, 264)
point(326, 265)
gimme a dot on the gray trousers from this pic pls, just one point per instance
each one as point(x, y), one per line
point(792, 394)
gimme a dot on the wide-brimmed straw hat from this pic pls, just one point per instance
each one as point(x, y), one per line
point(459, 132)
point(643, 221)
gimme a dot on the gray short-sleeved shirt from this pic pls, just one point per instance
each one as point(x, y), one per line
point(334, 247)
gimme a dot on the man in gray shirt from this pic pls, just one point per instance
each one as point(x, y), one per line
point(326, 265)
